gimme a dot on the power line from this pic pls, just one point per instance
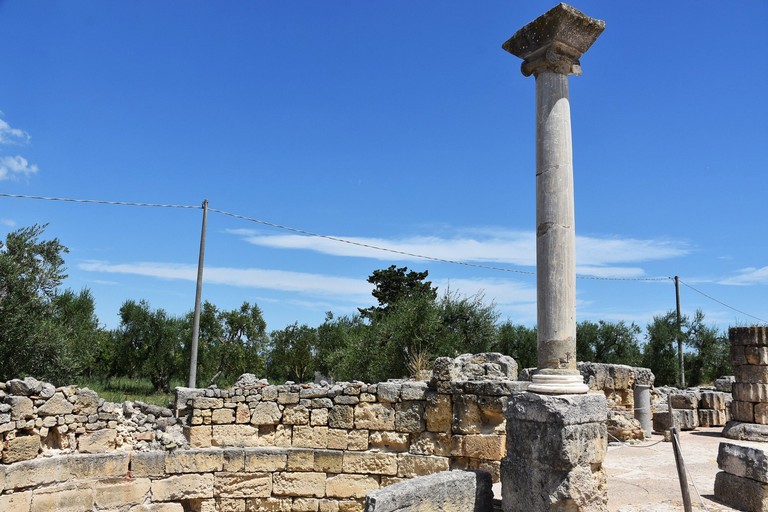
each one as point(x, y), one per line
point(98, 201)
point(723, 303)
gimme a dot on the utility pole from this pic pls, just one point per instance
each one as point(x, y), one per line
point(678, 334)
point(198, 293)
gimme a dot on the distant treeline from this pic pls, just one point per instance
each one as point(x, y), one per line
point(53, 334)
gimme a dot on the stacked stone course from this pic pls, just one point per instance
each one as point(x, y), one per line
point(749, 356)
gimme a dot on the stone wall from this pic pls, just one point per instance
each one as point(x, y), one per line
point(253, 447)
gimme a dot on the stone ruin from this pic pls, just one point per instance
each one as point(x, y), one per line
point(259, 446)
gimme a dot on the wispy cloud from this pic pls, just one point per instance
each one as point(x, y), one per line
point(595, 256)
point(306, 283)
point(7, 222)
point(10, 135)
point(748, 276)
point(11, 167)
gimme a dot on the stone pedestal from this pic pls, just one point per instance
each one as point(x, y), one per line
point(749, 356)
point(555, 451)
point(743, 481)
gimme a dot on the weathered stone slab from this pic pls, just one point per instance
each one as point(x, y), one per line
point(183, 487)
point(55, 406)
point(745, 461)
point(374, 416)
point(341, 416)
point(299, 484)
point(746, 431)
point(266, 413)
point(310, 437)
point(684, 400)
point(389, 441)
point(21, 448)
point(712, 400)
point(243, 485)
point(754, 335)
point(450, 491)
point(62, 500)
point(103, 465)
point(235, 435)
point(117, 493)
point(741, 493)
point(34, 473)
point(194, 461)
point(409, 465)
point(147, 464)
point(350, 486)
point(98, 441)
point(712, 417)
point(370, 462)
point(16, 501)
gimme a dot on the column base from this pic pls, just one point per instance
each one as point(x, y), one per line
point(558, 384)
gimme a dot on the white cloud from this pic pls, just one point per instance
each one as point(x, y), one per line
point(13, 166)
point(305, 283)
point(500, 247)
point(10, 135)
point(748, 276)
point(7, 222)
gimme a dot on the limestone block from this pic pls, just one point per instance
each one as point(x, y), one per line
point(243, 485)
point(226, 505)
point(242, 414)
point(755, 335)
point(337, 439)
point(413, 390)
point(684, 400)
point(370, 463)
point(275, 435)
point(116, 493)
point(451, 491)
point(287, 398)
point(685, 419)
point(389, 441)
point(745, 461)
point(313, 392)
point(712, 400)
point(473, 414)
point(374, 416)
point(305, 505)
point(235, 435)
point(300, 459)
point(409, 416)
point(194, 461)
point(22, 407)
point(712, 417)
point(743, 411)
point(21, 448)
point(295, 415)
point(310, 437)
point(746, 431)
point(62, 500)
point(351, 505)
point(431, 443)
point(266, 460)
point(328, 461)
point(222, 416)
point(494, 387)
point(751, 373)
point(182, 487)
point(328, 505)
point(146, 464)
point(388, 392)
point(234, 460)
point(341, 416)
point(86, 402)
point(98, 441)
point(270, 505)
point(16, 501)
point(266, 413)
point(346, 400)
point(28, 386)
point(725, 384)
point(761, 413)
point(438, 412)
point(755, 355)
point(409, 465)
point(318, 417)
point(103, 465)
point(299, 484)
point(158, 507)
point(484, 446)
point(55, 406)
point(741, 493)
point(350, 486)
point(358, 440)
point(198, 436)
point(202, 402)
point(738, 355)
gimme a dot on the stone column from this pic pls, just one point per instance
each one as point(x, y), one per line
point(550, 47)
point(555, 444)
point(749, 409)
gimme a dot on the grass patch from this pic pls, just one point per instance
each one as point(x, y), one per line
point(120, 389)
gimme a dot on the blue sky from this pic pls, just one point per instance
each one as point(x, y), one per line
point(396, 124)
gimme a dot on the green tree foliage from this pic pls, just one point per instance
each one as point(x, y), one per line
point(660, 352)
point(340, 343)
point(150, 344)
point(608, 342)
point(293, 353)
point(30, 272)
point(467, 324)
point(394, 284)
point(230, 343)
point(711, 357)
point(519, 342)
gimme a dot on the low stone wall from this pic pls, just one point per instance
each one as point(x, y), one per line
point(692, 408)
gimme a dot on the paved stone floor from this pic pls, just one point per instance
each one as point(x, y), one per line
point(643, 477)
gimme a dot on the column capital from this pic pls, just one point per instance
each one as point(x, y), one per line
point(555, 41)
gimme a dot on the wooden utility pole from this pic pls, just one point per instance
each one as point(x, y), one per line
point(678, 335)
point(198, 293)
